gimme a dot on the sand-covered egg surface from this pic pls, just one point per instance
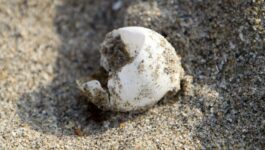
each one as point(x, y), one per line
point(139, 67)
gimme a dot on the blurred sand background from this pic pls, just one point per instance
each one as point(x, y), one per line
point(45, 45)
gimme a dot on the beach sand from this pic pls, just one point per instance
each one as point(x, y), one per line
point(46, 45)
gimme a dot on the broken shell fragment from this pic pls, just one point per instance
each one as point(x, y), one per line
point(141, 66)
point(96, 93)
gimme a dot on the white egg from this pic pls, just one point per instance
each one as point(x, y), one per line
point(142, 67)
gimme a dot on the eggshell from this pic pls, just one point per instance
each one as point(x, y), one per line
point(142, 67)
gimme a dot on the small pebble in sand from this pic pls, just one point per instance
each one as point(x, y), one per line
point(139, 67)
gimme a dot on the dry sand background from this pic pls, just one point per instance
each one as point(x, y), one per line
point(45, 45)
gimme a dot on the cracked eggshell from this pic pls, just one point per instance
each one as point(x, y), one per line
point(96, 94)
point(142, 67)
